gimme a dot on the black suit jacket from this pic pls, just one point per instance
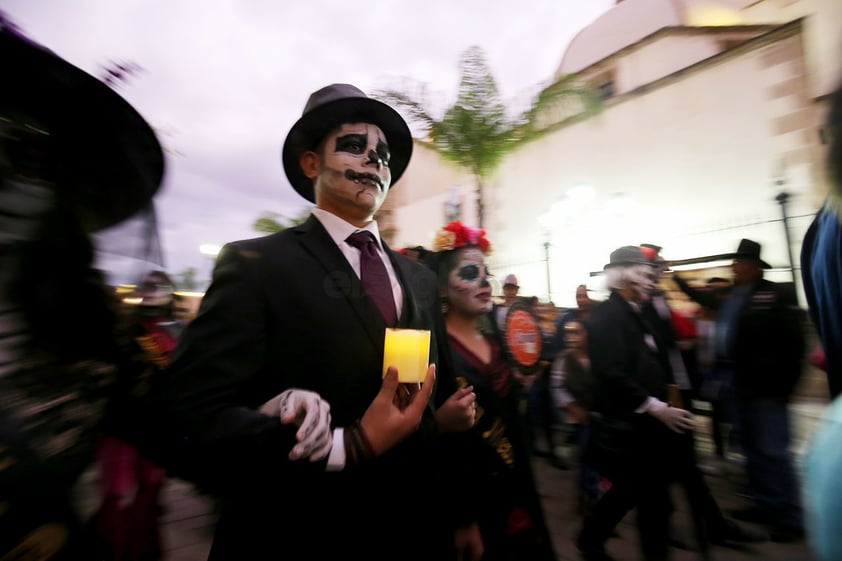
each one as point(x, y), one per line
point(626, 368)
point(287, 311)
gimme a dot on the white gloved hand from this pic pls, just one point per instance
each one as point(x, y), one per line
point(311, 414)
point(677, 420)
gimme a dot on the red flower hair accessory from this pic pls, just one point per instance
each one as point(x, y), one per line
point(456, 235)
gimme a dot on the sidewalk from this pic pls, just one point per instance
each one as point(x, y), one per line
point(189, 517)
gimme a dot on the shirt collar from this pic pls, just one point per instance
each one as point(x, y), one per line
point(339, 229)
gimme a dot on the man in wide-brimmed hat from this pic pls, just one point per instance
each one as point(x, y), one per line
point(75, 158)
point(760, 348)
point(300, 316)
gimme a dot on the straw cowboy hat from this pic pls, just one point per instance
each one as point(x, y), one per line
point(335, 105)
point(78, 130)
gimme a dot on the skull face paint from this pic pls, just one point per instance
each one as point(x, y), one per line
point(642, 279)
point(468, 290)
point(353, 170)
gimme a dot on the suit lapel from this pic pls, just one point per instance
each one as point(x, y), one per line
point(340, 278)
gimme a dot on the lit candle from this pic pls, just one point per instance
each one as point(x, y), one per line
point(408, 350)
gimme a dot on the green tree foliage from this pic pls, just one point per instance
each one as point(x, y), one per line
point(271, 222)
point(187, 279)
point(476, 132)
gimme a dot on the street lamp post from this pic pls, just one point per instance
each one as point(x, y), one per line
point(547, 263)
point(782, 198)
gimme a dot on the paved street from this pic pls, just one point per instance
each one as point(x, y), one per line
point(189, 518)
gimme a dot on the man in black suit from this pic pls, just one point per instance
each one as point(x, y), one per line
point(286, 335)
point(632, 375)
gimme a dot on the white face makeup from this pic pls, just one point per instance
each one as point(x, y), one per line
point(642, 279)
point(353, 175)
point(468, 290)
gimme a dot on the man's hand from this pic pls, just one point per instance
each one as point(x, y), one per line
point(311, 414)
point(458, 413)
point(677, 420)
point(396, 411)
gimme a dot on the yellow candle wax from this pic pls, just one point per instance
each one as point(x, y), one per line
point(408, 350)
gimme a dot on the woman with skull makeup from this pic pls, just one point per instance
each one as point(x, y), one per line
point(510, 515)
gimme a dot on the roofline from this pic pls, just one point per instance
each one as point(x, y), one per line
point(687, 30)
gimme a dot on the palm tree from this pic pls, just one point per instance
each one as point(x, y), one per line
point(476, 132)
point(270, 222)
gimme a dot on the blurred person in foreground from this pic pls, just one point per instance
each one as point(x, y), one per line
point(500, 473)
point(631, 373)
point(127, 524)
point(292, 329)
point(761, 342)
point(75, 158)
point(821, 271)
point(821, 255)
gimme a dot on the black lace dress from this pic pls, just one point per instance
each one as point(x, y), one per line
point(501, 479)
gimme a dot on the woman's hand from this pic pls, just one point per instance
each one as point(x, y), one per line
point(459, 412)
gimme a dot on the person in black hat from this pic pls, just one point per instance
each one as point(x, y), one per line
point(631, 376)
point(299, 311)
point(759, 353)
point(75, 158)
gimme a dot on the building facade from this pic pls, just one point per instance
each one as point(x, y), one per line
point(711, 111)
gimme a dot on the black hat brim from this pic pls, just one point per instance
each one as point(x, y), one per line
point(107, 154)
point(753, 257)
point(311, 128)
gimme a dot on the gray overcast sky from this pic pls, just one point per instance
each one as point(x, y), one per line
point(223, 80)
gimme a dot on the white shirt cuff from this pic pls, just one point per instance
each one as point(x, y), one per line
point(651, 405)
point(336, 458)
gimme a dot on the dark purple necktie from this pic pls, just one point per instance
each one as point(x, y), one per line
point(373, 275)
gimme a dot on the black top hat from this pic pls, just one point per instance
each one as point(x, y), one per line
point(627, 255)
point(749, 249)
point(335, 105)
point(99, 147)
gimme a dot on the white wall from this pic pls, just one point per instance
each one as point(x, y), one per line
point(696, 158)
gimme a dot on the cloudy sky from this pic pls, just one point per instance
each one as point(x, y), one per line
point(223, 80)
